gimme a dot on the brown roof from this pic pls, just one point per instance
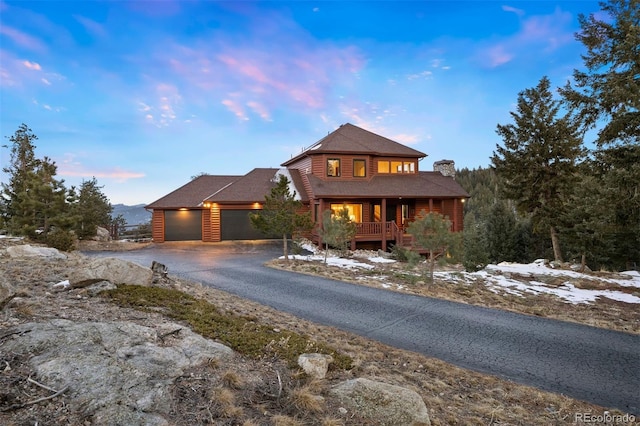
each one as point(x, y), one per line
point(419, 185)
point(193, 193)
point(254, 186)
point(350, 139)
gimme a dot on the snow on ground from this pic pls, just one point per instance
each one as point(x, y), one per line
point(498, 278)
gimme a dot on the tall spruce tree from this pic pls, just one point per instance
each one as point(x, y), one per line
point(607, 97)
point(537, 164)
point(92, 209)
point(281, 214)
point(34, 199)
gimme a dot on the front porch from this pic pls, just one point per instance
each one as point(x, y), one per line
point(380, 235)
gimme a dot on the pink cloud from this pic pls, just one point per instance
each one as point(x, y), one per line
point(235, 108)
point(32, 65)
point(543, 33)
point(116, 173)
point(22, 39)
point(92, 27)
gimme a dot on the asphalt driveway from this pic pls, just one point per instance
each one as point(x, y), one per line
point(595, 365)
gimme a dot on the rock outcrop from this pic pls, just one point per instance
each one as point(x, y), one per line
point(116, 271)
point(117, 372)
point(29, 251)
point(388, 405)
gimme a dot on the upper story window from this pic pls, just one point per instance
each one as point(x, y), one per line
point(333, 167)
point(359, 168)
point(387, 166)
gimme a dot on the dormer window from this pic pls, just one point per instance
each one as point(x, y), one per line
point(333, 167)
point(386, 166)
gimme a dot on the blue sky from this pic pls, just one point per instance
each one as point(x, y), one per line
point(145, 95)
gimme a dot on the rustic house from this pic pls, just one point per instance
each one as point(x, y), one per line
point(378, 180)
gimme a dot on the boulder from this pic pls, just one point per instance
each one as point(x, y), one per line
point(315, 365)
point(102, 234)
point(116, 271)
point(116, 373)
point(29, 251)
point(388, 405)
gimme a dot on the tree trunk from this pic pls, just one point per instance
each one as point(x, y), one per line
point(555, 242)
point(583, 262)
point(431, 266)
point(284, 247)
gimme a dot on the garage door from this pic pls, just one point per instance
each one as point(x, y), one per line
point(235, 225)
point(182, 225)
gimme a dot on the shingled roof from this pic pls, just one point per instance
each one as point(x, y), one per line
point(390, 186)
point(350, 139)
point(193, 193)
point(254, 186)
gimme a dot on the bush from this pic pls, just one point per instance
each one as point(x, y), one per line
point(61, 240)
point(405, 255)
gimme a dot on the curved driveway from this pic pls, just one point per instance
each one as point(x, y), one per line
point(595, 365)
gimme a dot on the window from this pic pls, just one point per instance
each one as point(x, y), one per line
point(359, 168)
point(333, 167)
point(355, 211)
point(386, 166)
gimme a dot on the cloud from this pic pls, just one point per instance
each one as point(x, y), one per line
point(235, 108)
point(92, 27)
point(45, 81)
point(32, 65)
point(71, 168)
point(162, 111)
point(539, 34)
point(517, 11)
point(22, 39)
point(285, 68)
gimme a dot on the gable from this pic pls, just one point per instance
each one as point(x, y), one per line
point(350, 139)
point(193, 193)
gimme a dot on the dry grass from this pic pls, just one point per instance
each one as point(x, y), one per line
point(268, 391)
point(604, 313)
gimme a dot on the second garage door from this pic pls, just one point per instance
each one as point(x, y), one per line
point(235, 225)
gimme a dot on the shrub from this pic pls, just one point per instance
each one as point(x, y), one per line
point(61, 240)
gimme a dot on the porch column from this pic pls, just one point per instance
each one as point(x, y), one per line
point(430, 205)
point(455, 215)
point(383, 217)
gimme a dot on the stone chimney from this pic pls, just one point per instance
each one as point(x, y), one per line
point(446, 167)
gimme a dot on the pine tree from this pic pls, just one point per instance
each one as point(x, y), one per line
point(500, 228)
point(34, 198)
point(432, 232)
point(538, 161)
point(337, 230)
point(474, 244)
point(92, 209)
point(606, 95)
point(280, 214)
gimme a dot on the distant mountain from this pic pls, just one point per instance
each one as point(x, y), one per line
point(134, 215)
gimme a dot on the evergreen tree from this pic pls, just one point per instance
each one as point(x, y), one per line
point(432, 232)
point(92, 209)
point(474, 244)
point(607, 97)
point(280, 214)
point(34, 199)
point(21, 171)
point(538, 161)
point(500, 229)
point(337, 230)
